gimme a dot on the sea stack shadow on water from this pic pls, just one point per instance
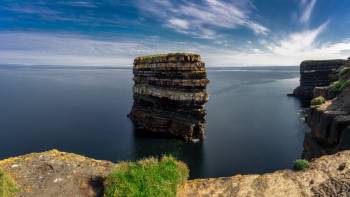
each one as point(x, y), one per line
point(169, 95)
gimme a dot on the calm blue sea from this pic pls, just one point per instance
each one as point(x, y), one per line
point(252, 126)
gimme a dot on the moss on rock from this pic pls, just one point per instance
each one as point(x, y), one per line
point(318, 101)
point(340, 85)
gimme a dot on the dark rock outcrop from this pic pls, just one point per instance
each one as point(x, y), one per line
point(330, 122)
point(169, 95)
point(316, 74)
point(330, 125)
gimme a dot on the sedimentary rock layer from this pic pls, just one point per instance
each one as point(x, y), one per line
point(169, 94)
point(316, 73)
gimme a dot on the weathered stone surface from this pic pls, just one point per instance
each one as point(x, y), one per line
point(326, 177)
point(61, 174)
point(58, 174)
point(169, 95)
point(314, 74)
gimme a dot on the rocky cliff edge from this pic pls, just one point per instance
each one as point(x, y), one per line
point(55, 173)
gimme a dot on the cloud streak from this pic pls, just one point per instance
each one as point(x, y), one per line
point(74, 50)
point(204, 18)
point(307, 9)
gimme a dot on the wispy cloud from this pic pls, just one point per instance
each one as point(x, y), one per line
point(292, 50)
point(68, 49)
point(307, 9)
point(297, 43)
point(203, 19)
point(71, 49)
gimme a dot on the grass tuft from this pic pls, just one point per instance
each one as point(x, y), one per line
point(8, 186)
point(344, 73)
point(340, 85)
point(148, 177)
point(300, 164)
point(318, 101)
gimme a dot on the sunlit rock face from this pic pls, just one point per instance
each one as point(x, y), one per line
point(316, 73)
point(169, 95)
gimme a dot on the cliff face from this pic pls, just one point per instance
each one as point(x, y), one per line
point(169, 95)
point(315, 74)
point(330, 125)
point(330, 122)
point(55, 173)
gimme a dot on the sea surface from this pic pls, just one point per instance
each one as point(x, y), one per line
point(251, 125)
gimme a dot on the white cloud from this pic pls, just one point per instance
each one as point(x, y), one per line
point(61, 49)
point(292, 50)
point(67, 49)
point(307, 8)
point(177, 23)
point(202, 19)
point(297, 43)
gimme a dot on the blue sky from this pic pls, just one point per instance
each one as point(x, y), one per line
point(224, 32)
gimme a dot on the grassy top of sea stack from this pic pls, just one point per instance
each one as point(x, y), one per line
point(168, 58)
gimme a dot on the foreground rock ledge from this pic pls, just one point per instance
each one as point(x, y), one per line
point(55, 173)
point(326, 176)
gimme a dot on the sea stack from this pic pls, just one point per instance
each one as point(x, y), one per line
point(169, 95)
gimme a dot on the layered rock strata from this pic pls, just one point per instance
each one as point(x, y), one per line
point(316, 74)
point(169, 95)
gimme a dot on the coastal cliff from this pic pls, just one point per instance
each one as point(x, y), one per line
point(169, 95)
point(330, 121)
point(316, 73)
point(55, 173)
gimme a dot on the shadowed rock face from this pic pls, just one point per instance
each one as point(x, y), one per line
point(169, 95)
point(330, 122)
point(316, 74)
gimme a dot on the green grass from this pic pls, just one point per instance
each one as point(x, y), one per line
point(151, 57)
point(300, 164)
point(8, 186)
point(340, 85)
point(318, 101)
point(345, 72)
point(148, 177)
